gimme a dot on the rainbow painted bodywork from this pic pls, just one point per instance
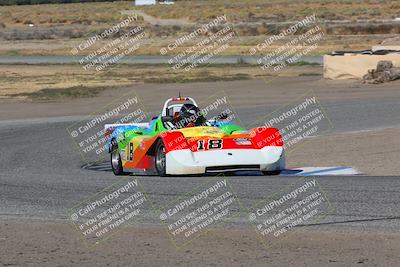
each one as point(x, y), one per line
point(219, 146)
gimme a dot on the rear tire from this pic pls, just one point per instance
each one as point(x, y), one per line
point(160, 159)
point(115, 160)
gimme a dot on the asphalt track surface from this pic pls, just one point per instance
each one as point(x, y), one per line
point(41, 175)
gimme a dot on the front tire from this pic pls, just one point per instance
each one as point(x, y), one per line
point(160, 159)
point(115, 159)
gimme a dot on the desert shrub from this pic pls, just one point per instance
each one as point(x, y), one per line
point(262, 30)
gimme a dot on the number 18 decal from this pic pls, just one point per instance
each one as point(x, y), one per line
point(211, 144)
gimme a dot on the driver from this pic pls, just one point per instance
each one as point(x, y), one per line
point(189, 116)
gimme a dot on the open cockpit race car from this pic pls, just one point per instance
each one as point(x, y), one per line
point(181, 141)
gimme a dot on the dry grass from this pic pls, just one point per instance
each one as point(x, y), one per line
point(237, 10)
point(53, 14)
point(277, 10)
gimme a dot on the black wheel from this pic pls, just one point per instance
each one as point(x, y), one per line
point(116, 163)
point(272, 172)
point(160, 158)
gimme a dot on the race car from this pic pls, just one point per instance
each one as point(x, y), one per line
point(181, 141)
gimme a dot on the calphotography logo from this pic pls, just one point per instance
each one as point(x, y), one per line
point(103, 50)
point(302, 119)
point(219, 110)
point(302, 203)
point(91, 136)
point(306, 36)
point(201, 45)
point(194, 214)
point(103, 214)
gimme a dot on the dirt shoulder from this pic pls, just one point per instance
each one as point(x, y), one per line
point(51, 244)
point(24, 81)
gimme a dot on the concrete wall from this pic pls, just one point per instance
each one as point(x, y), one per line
point(354, 66)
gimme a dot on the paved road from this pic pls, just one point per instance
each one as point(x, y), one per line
point(42, 177)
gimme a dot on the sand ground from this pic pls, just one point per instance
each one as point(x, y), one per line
point(49, 244)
